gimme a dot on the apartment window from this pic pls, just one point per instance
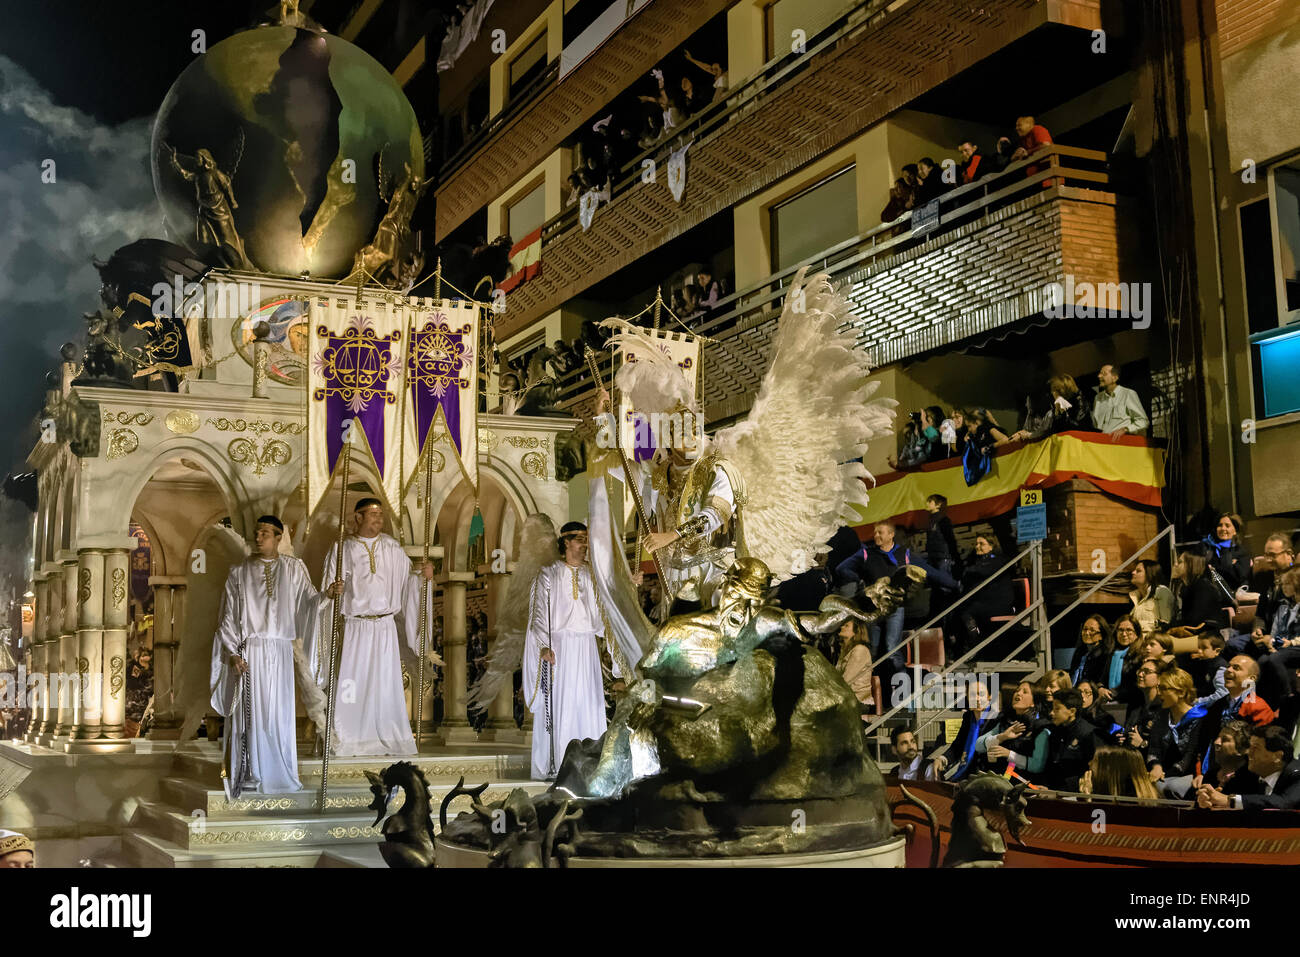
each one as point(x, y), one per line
point(527, 213)
point(1286, 204)
point(786, 16)
point(527, 66)
point(816, 219)
point(1257, 257)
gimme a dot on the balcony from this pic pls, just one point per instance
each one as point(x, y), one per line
point(875, 60)
point(996, 246)
point(539, 118)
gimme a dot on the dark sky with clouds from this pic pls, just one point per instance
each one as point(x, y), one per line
point(79, 83)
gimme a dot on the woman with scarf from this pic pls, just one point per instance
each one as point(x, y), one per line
point(956, 762)
point(1091, 659)
point(1017, 737)
point(1201, 601)
point(1225, 552)
point(1176, 746)
point(1120, 683)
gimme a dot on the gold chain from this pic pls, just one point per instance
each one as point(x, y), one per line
point(574, 569)
point(370, 552)
point(268, 575)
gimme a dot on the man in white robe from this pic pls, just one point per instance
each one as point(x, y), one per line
point(561, 665)
point(268, 602)
point(379, 592)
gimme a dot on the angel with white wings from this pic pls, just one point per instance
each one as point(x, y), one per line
point(775, 486)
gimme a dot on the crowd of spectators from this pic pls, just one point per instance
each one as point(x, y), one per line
point(652, 112)
point(974, 434)
point(1166, 701)
point(926, 180)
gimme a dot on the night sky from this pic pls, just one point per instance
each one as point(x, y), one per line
point(80, 81)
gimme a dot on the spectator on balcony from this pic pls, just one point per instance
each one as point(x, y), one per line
point(1094, 713)
point(1017, 737)
point(1153, 602)
point(1033, 139)
point(912, 177)
point(1230, 773)
point(900, 201)
point(711, 289)
point(670, 111)
point(1002, 154)
point(1118, 771)
point(1269, 758)
point(714, 70)
point(693, 98)
point(1201, 602)
point(973, 164)
point(1116, 409)
point(690, 302)
point(983, 437)
point(1071, 744)
point(1176, 738)
point(650, 131)
point(916, 449)
point(993, 600)
point(953, 432)
point(1225, 553)
point(932, 185)
point(1091, 658)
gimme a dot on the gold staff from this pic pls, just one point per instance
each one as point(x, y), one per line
point(336, 628)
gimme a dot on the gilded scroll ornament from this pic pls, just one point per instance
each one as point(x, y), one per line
point(121, 443)
point(119, 587)
point(534, 463)
point(115, 676)
point(259, 458)
point(181, 421)
point(524, 441)
point(83, 585)
point(257, 426)
point(134, 418)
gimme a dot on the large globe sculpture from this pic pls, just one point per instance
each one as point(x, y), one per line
point(308, 129)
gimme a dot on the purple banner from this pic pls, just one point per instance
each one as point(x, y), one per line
point(440, 365)
point(356, 366)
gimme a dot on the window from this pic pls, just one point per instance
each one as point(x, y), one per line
point(527, 213)
point(785, 16)
point(527, 66)
point(1286, 206)
point(820, 217)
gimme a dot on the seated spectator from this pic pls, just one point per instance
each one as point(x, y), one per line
point(1207, 666)
point(1033, 138)
point(1269, 759)
point(1118, 771)
point(1117, 410)
point(1140, 719)
point(911, 765)
point(1159, 646)
point(1265, 587)
point(1284, 625)
point(900, 201)
point(854, 663)
point(1201, 602)
point(932, 184)
point(976, 718)
point(1120, 683)
point(1176, 745)
point(1002, 154)
point(984, 436)
point(1242, 702)
point(1047, 688)
point(1071, 743)
point(994, 600)
point(1018, 737)
point(1094, 713)
point(1225, 552)
point(973, 165)
point(1153, 602)
point(1091, 658)
point(715, 70)
point(1231, 776)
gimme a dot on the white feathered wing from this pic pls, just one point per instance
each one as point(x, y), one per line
point(536, 550)
point(813, 416)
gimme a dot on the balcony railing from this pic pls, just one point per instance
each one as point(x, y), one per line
point(965, 212)
point(516, 105)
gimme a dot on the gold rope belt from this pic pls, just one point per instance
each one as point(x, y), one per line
point(388, 614)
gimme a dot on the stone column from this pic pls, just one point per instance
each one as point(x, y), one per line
point(501, 713)
point(455, 723)
point(164, 647)
point(66, 687)
point(111, 645)
point(70, 628)
point(90, 634)
point(42, 716)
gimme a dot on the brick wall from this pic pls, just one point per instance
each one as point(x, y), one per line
point(1243, 22)
point(1081, 519)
